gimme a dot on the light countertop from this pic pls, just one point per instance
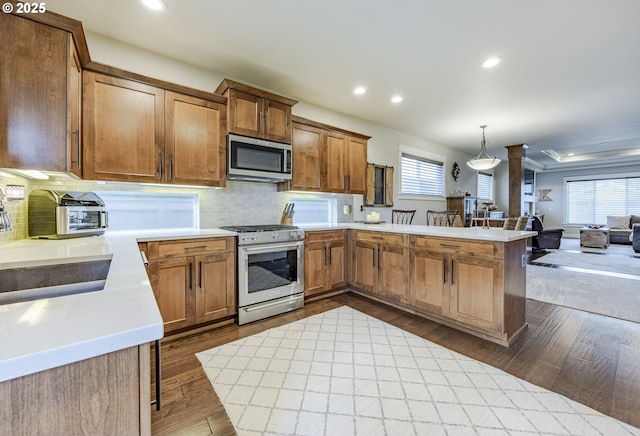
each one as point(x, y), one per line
point(46, 333)
point(474, 233)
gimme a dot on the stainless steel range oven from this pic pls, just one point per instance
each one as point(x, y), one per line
point(270, 270)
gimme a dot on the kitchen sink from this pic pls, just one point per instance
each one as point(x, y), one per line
point(33, 282)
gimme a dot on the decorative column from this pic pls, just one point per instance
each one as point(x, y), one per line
point(516, 174)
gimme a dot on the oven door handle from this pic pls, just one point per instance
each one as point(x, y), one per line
point(273, 303)
point(272, 247)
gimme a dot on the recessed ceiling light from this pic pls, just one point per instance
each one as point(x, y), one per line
point(396, 99)
point(360, 90)
point(156, 5)
point(571, 154)
point(491, 62)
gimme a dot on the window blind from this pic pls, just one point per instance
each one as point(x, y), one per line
point(590, 201)
point(485, 185)
point(421, 176)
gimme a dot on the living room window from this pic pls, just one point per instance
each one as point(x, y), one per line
point(485, 185)
point(589, 201)
point(421, 174)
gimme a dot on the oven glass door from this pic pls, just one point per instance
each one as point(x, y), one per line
point(270, 271)
point(79, 219)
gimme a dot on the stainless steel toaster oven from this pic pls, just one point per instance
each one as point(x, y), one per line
point(65, 214)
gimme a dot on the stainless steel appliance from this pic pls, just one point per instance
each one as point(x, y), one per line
point(65, 214)
point(270, 270)
point(257, 159)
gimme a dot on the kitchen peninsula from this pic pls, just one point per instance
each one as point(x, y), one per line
point(471, 279)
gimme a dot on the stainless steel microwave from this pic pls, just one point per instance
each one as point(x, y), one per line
point(257, 160)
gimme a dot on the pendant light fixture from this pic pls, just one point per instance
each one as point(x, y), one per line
point(483, 161)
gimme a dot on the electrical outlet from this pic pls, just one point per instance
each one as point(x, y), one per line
point(524, 260)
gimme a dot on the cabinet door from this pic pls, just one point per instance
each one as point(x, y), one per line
point(365, 266)
point(172, 281)
point(74, 108)
point(393, 274)
point(356, 156)
point(334, 167)
point(215, 287)
point(123, 129)
point(245, 113)
point(307, 143)
point(195, 143)
point(33, 107)
point(474, 296)
point(315, 259)
point(336, 276)
point(277, 121)
point(429, 281)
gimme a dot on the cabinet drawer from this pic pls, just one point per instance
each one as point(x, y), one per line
point(328, 235)
point(473, 248)
point(387, 238)
point(189, 247)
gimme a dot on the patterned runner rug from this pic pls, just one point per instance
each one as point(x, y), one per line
point(343, 372)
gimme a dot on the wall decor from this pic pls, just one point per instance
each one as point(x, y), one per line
point(544, 195)
point(455, 171)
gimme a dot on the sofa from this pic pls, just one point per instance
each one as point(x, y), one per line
point(635, 237)
point(621, 226)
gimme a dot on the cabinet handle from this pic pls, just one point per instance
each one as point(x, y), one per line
point(329, 255)
point(170, 169)
point(449, 245)
point(348, 182)
point(160, 165)
point(190, 275)
point(452, 269)
point(195, 247)
point(77, 135)
point(444, 270)
point(378, 257)
point(200, 274)
point(373, 257)
point(260, 121)
point(266, 123)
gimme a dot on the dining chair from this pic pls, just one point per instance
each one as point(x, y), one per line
point(522, 223)
point(509, 224)
point(444, 218)
point(399, 216)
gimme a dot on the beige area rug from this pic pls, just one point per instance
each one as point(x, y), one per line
point(343, 372)
point(594, 261)
point(605, 284)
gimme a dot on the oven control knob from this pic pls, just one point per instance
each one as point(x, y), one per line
point(253, 237)
point(274, 236)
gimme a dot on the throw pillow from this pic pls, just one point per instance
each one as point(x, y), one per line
point(635, 219)
point(618, 222)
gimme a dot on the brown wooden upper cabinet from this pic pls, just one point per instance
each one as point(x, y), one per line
point(41, 95)
point(327, 159)
point(256, 113)
point(137, 132)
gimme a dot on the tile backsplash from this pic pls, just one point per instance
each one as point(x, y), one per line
point(238, 203)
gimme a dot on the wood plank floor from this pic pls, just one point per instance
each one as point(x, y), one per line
point(589, 358)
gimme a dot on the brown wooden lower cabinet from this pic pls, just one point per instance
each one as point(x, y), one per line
point(380, 264)
point(475, 286)
point(103, 395)
point(324, 261)
point(193, 280)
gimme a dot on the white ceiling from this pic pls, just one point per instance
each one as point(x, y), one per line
point(569, 81)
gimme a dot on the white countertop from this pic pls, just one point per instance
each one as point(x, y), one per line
point(475, 233)
point(46, 333)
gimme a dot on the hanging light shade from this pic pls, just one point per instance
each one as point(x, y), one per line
point(483, 161)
